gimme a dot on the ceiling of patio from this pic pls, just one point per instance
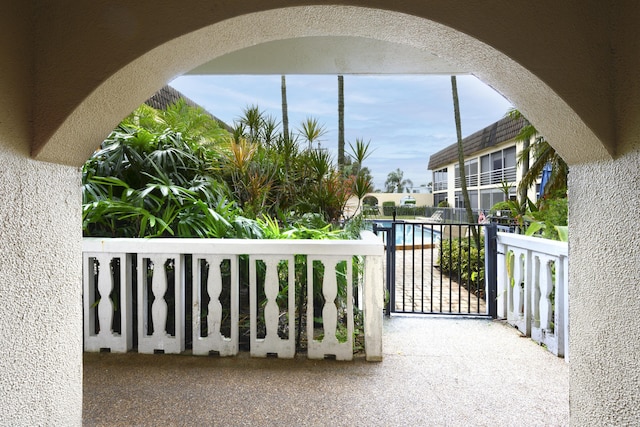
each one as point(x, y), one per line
point(329, 55)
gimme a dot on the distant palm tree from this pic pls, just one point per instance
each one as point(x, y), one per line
point(340, 122)
point(285, 111)
point(542, 154)
point(395, 183)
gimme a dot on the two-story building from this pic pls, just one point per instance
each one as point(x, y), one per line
point(490, 161)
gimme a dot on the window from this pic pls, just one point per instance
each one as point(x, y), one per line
point(439, 198)
point(473, 199)
point(490, 197)
point(498, 166)
point(471, 173)
point(440, 180)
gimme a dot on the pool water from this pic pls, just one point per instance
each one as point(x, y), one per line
point(407, 232)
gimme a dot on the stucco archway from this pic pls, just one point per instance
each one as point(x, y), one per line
point(94, 114)
point(71, 70)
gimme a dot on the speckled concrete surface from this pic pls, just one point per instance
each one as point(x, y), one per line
point(436, 372)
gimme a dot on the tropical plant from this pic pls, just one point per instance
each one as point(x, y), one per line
point(251, 121)
point(311, 130)
point(543, 154)
point(149, 182)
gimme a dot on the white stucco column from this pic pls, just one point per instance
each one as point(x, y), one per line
point(40, 291)
point(604, 280)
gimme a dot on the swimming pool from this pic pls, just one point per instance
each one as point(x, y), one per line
point(410, 234)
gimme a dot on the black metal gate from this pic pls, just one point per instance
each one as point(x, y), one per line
point(437, 268)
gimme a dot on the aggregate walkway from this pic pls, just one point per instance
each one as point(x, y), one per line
point(437, 371)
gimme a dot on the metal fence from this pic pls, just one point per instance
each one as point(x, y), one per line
point(438, 268)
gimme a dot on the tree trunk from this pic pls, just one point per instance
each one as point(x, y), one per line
point(463, 174)
point(525, 168)
point(340, 123)
point(285, 113)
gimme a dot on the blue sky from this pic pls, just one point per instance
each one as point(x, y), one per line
point(406, 118)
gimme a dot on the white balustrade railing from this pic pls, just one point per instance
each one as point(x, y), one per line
point(214, 274)
point(533, 288)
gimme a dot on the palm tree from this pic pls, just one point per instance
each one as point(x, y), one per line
point(395, 183)
point(463, 177)
point(543, 154)
point(285, 110)
point(340, 122)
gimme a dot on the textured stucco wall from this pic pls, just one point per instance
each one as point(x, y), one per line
point(40, 279)
point(604, 281)
point(40, 293)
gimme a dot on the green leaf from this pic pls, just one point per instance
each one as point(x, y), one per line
point(563, 232)
point(533, 228)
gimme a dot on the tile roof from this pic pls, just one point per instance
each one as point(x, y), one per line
point(503, 130)
point(168, 95)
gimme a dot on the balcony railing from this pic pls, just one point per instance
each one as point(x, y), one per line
point(533, 289)
point(498, 176)
point(148, 282)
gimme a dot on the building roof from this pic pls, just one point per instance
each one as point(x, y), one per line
point(169, 95)
point(503, 130)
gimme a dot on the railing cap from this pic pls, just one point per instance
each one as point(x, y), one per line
point(369, 244)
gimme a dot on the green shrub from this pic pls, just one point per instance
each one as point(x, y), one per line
point(464, 263)
point(410, 210)
point(387, 208)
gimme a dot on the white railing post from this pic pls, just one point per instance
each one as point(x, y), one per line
point(106, 338)
point(329, 345)
point(159, 339)
point(373, 304)
point(214, 341)
point(271, 343)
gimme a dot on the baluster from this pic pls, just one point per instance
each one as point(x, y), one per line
point(160, 340)
point(330, 345)
point(546, 285)
point(271, 288)
point(535, 303)
point(518, 285)
point(330, 311)
point(159, 307)
point(106, 338)
point(215, 341)
point(214, 288)
point(105, 306)
point(272, 343)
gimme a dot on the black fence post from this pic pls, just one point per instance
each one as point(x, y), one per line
point(491, 268)
point(390, 278)
point(391, 266)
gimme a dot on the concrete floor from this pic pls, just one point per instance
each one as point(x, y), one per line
point(437, 371)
